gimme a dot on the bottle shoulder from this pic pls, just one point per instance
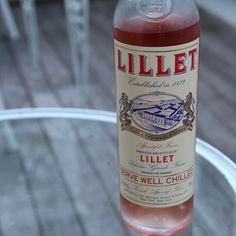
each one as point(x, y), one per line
point(181, 25)
point(128, 15)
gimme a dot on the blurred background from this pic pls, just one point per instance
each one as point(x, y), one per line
point(60, 53)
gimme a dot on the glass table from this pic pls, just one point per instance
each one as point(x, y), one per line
point(59, 176)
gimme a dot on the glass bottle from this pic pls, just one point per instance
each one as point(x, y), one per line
point(156, 63)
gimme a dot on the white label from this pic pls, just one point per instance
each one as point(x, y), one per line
point(156, 89)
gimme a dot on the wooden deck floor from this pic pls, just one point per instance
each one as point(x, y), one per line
point(63, 189)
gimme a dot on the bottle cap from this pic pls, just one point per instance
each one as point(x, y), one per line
point(154, 9)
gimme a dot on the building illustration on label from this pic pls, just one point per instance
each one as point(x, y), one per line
point(157, 116)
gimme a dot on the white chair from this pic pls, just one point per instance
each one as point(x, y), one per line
point(77, 16)
point(31, 26)
point(9, 20)
point(32, 33)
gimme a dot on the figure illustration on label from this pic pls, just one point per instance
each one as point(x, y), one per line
point(156, 114)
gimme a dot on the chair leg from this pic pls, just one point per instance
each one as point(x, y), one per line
point(11, 139)
point(75, 59)
point(77, 17)
point(32, 32)
point(9, 20)
point(85, 46)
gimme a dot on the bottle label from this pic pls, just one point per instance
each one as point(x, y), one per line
point(156, 89)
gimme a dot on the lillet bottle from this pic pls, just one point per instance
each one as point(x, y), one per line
point(156, 47)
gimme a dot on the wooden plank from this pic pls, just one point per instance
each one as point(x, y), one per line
point(3, 30)
point(54, 220)
point(213, 111)
point(212, 43)
point(84, 181)
point(218, 85)
point(107, 166)
point(218, 29)
point(22, 221)
point(17, 215)
point(96, 225)
point(214, 197)
point(52, 200)
point(219, 136)
point(223, 10)
point(222, 66)
point(10, 84)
